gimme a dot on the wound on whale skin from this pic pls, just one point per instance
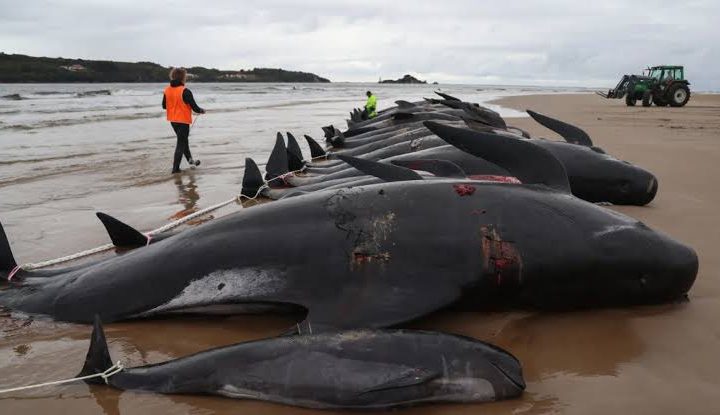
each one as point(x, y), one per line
point(464, 189)
point(501, 258)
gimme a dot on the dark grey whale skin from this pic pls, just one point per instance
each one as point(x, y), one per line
point(379, 255)
point(362, 369)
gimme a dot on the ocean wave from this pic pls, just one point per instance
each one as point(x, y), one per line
point(12, 97)
point(51, 93)
point(84, 94)
point(134, 92)
point(42, 159)
point(84, 120)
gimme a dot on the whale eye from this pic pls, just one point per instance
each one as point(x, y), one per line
point(624, 186)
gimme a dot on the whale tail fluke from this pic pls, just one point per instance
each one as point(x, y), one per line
point(122, 234)
point(7, 260)
point(98, 356)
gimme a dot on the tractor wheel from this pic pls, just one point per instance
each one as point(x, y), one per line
point(630, 100)
point(679, 95)
point(647, 99)
point(660, 102)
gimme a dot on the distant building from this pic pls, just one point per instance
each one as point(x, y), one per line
point(191, 75)
point(234, 76)
point(74, 68)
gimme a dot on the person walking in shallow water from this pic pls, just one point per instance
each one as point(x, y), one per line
point(179, 103)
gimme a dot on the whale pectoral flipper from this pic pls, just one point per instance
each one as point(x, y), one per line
point(440, 168)
point(369, 302)
point(122, 234)
point(403, 377)
point(571, 133)
point(447, 97)
point(384, 171)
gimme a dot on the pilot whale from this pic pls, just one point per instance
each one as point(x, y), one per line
point(359, 369)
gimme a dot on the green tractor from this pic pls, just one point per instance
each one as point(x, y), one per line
point(661, 85)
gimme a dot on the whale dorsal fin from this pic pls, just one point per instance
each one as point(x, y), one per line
point(440, 168)
point(328, 131)
point(295, 157)
point(404, 104)
point(121, 234)
point(528, 162)
point(277, 164)
point(316, 149)
point(252, 179)
point(571, 133)
point(7, 260)
point(98, 358)
point(387, 172)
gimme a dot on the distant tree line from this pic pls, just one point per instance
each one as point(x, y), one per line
point(22, 68)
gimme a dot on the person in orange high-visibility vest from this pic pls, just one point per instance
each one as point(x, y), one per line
point(179, 103)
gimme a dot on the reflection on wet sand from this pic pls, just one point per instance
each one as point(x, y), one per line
point(188, 195)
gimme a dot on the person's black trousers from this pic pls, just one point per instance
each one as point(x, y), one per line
point(182, 131)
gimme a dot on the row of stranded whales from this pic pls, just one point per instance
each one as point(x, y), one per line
point(441, 210)
point(593, 175)
point(391, 252)
point(359, 369)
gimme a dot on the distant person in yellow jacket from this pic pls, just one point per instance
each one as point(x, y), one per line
point(370, 106)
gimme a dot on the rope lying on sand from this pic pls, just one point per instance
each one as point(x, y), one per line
point(114, 369)
point(167, 227)
point(107, 247)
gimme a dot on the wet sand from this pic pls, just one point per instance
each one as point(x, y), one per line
point(654, 360)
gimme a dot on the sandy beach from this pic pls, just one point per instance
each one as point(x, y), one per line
point(643, 360)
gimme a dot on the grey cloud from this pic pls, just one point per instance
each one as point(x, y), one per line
point(549, 41)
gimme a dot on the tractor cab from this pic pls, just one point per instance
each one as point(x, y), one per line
point(666, 73)
point(662, 85)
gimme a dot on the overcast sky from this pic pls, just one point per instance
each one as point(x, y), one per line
point(543, 42)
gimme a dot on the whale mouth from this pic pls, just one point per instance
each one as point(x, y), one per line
point(515, 378)
point(652, 189)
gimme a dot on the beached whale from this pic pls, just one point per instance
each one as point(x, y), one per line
point(376, 256)
point(594, 175)
point(363, 369)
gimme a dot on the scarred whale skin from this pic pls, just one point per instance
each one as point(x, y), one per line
point(379, 255)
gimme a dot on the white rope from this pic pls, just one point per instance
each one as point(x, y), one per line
point(164, 228)
point(113, 370)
